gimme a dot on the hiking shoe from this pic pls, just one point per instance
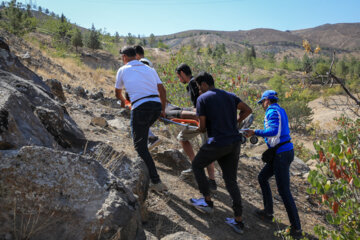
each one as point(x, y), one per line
point(212, 184)
point(295, 233)
point(263, 215)
point(187, 172)
point(202, 205)
point(237, 226)
point(153, 142)
point(158, 187)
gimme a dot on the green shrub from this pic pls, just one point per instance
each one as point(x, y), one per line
point(336, 181)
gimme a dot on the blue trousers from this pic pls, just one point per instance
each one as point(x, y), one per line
point(280, 167)
point(141, 119)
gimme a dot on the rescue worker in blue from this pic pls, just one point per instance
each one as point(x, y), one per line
point(276, 131)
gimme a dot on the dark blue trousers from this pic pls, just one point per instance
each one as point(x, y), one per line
point(280, 167)
point(141, 119)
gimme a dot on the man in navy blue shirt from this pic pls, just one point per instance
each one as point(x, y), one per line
point(217, 111)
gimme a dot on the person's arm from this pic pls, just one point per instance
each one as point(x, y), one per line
point(162, 95)
point(202, 124)
point(118, 95)
point(245, 111)
point(273, 120)
point(273, 123)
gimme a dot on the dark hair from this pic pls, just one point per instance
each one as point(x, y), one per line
point(139, 50)
point(184, 68)
point(128, 51)
point(273, 100)
point(205, 77)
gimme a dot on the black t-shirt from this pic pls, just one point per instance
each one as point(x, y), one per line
point(193, 91)
point(220, 109)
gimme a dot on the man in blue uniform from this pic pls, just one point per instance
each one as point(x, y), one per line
point(277, 134)
point(217, 111)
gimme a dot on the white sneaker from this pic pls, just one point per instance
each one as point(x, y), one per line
point(187, 172)
point(153, 142)
point(158, 187)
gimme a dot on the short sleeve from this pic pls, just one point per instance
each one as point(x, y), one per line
point(200, 107)
point(119, 84)
point(158, 81)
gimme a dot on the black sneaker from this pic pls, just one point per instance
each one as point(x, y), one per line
point(263, 215)
point(237, 226)
point(295, 233)
point(153, 142)
point(212, 184)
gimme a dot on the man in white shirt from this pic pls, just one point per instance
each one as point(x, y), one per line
point(153, 140)
point(148, 99)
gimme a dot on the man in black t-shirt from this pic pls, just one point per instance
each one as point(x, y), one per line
point(217, 111)
point(184, 74)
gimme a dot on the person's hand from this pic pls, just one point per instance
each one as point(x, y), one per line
point(249, 133)
point(162, 114)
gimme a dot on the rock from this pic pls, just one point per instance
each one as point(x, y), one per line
point(150, 236)
point(56, 89)
point(97, 95)
point(108, 116)
point(181, 236)
point(10, 63)
point(29, 116)
point(133, 173)
point(120, 124)
point(80, 91)
point(99, 121)
point(173, 158)
point(62, 195)
point(298, 167)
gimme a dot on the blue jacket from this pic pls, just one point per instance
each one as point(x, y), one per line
point(276, 128)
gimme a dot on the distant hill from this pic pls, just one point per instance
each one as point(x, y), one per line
point(342, 36)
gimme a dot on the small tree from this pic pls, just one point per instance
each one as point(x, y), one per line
point(76, 39)
point(117, 38)
point(93, 39)
point(130, 39)
point(152, 40)
point(63, 29)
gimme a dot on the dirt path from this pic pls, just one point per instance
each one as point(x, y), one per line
point(172, 213)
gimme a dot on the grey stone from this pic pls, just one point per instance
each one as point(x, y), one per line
point(56, 89)
point(64, 196)
point(181, 236)
point(173, 158)
point(99, 121)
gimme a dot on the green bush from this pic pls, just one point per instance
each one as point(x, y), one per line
point(336, 181)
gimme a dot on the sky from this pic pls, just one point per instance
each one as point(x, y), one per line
point(162, 17)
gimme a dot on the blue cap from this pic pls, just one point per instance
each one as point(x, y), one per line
point(268, 94)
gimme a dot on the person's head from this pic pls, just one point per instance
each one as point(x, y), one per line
point(268, 97)
point(183, 72)
point(139, 50)
point(127, 54)
point(204, 81)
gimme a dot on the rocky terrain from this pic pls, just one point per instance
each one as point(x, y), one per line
point(69, 170)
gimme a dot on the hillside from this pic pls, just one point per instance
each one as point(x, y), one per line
point(342, 36)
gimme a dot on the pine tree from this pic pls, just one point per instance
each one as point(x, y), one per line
point(16, 20)
point(117, 38)
point(93, 41)
point(152, 40)
point(130, 39)
point(76, 39)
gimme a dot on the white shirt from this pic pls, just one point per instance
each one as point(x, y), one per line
point(139, 80)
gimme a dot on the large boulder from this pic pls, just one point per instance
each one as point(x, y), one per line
point(133, 173)
point(29, 116)
point(10, 63)
point(49, 194)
